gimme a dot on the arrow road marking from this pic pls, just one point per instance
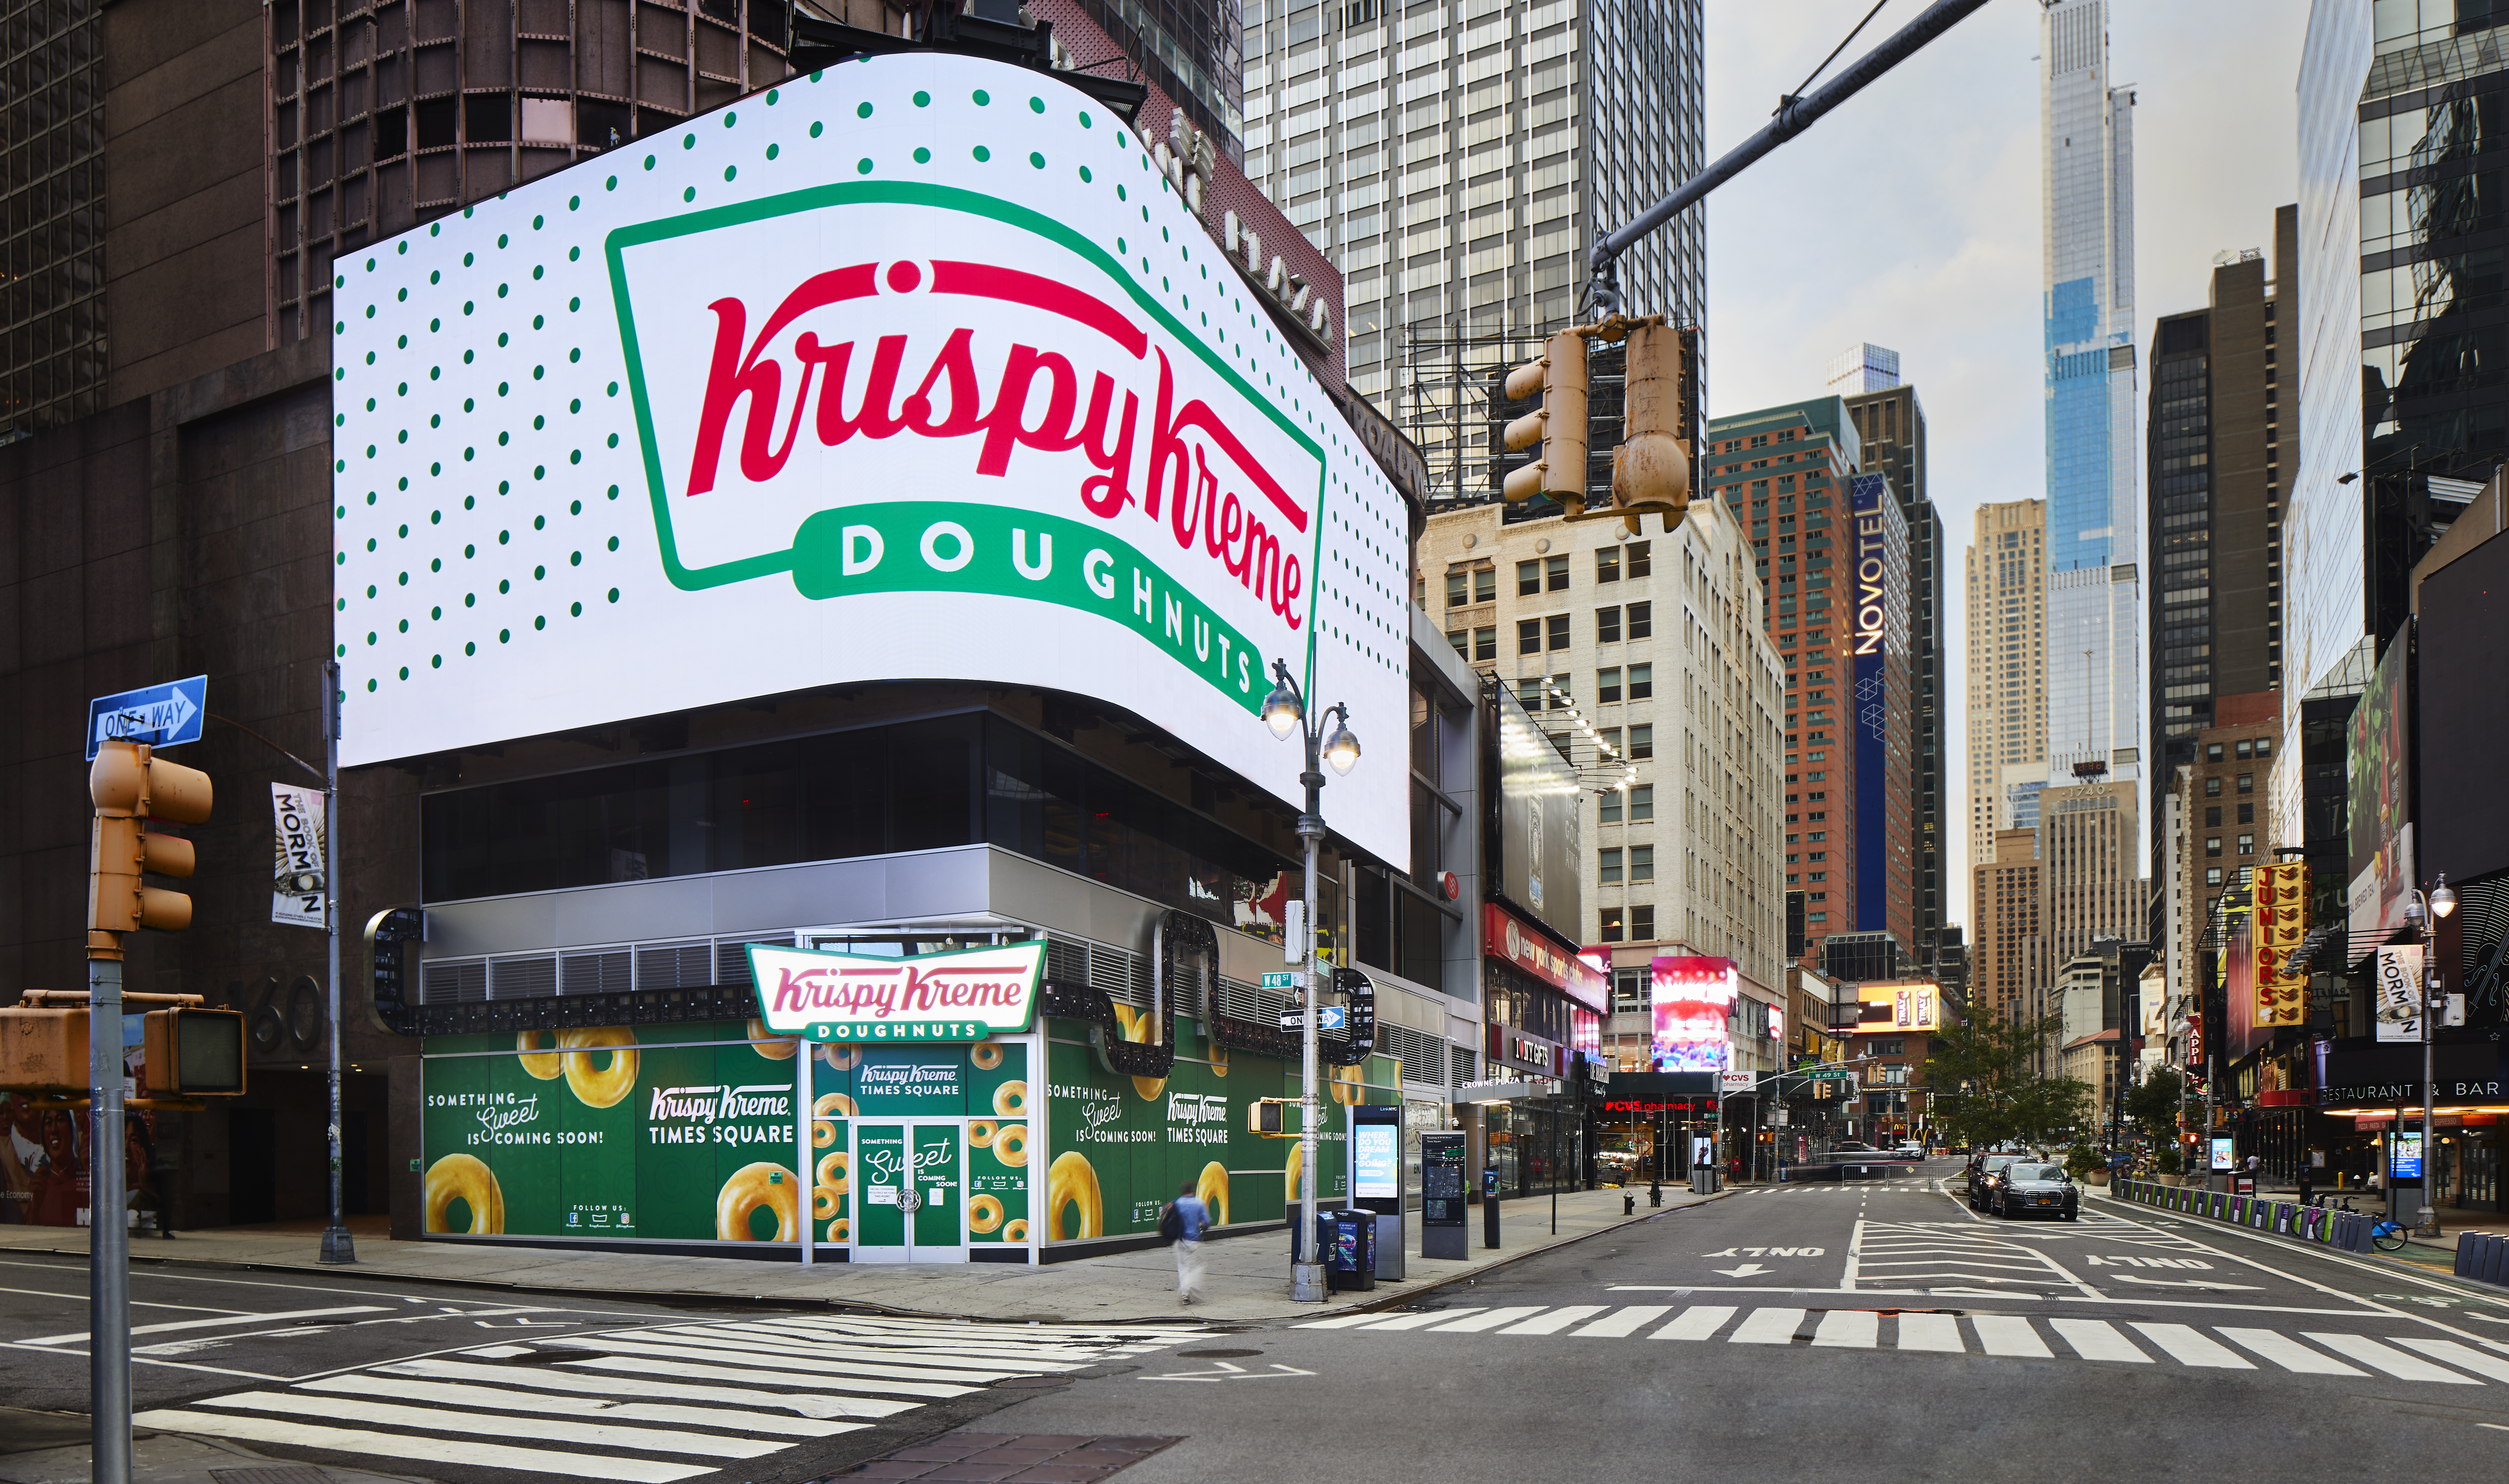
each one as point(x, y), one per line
point(1748, 1270)
point(1224, 1371)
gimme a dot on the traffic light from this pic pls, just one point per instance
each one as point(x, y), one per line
point(194, 1052)
point(1651, 469)
point(1557, 425)
point(129, 788)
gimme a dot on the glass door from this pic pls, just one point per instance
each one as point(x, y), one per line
point(910, 1205)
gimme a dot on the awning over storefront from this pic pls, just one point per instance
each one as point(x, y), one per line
point(2360, 1074)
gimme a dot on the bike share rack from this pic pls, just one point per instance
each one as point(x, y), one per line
point(2343, 1231)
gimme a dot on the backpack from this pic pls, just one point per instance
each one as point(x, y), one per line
point(1171, 1225)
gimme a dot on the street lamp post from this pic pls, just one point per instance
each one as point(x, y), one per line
point(2441, 902)
point(1284, 710)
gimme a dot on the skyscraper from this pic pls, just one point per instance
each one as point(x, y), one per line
point(1862, 368)
point(2007, 682)
point(1457, 159)
point(2215, 495)
point(2094, 617)
point(1891, 424)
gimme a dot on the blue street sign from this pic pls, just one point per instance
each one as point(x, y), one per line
point(160, 716)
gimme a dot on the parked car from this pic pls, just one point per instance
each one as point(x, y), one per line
point(2024, 1188)
point(1981, 1173)
point(1914, 1149)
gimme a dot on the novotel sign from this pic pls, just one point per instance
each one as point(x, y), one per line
point(915, 369)
point(967, 995)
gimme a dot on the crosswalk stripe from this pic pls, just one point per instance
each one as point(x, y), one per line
point(2394, 1363)
point(637, 1365)
point(1624, 1324)
point(851, 1361)
point(1768, 1326)
point(1339, 1321)
point(1489, 1320)
point(363, 1442)
point(2006, 1334)
point(576, 1382)
point(1697, 1322)
point(1556, 1321)
point(1419, 1320)
point(499, 1399)
point(483, 1425)
point(2188, 1348)
point(976, 1351)
point(1931, 1331)
point(2289, 1353)
point(1849, 1330)
point(2097, 1340)
point(2462, 1355)
point(734, 1365)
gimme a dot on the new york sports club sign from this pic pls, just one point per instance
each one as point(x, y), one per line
point(915, 369)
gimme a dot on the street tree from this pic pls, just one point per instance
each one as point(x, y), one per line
point(1983, 1072)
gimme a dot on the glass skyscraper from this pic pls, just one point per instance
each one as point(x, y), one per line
point(2094, 700)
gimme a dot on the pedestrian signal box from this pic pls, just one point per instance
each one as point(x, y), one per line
point(194, 1052)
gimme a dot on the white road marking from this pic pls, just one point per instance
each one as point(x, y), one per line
point(2464, 1356)
point(2188, 1348)
point(480, 1424)
point(1339, 1321)
point(2097, 1340)
point(550, 1378)
point(2005, 1334)
point(366, 1443)
point(504, 1399)
point(1848, 1329)
point(1932, 1333)
point(229, 1319)
point(1696, 1323)
point(1624, 1324)
point(1768, 1326)
point(730, 1364)
point(1556, 1321)
point(2394, 1363)
point(637, 1366)
point(1419, 1320)
point(2289, 1353)
point(1491, 1319)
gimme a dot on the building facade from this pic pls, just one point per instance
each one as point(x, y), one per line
point(1890, 428)
point(1458, 160)
point(1643, 661)
point(2094, 617)
point(2215, 491)
point(2007, 671)
point(2090, 885)
point(2005, 919)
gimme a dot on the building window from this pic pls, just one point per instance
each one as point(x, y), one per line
point(1639, 563)
point(1642, 805)
point(1641, 620)
point(2212, 788)
point(1458, 582)
point(1485, 584)
point(1641, 923)
point(1462, 639)
point(1890, 1048)
point(1642, 682)
point(1529, 580)
point(1486, 644)
point(1641, 743)
point(1611, 737)
point(1559, 696)
point(1528, 691)
point(1641, 865)
point(2213, 845)
point(2247, 783)
point(1557, 568)
point(1607, 564)
point(1528, 635)
point(2212, 752)
point(1608, 873)
point(2212, 816)
point(1607, 684)
point(2265, 747)
point(1613, 925)
point(2247, 814)
point(1610, 808)
point(2247, 844)
point(2244, 750)
point(1559, 631)
point(1607, 625)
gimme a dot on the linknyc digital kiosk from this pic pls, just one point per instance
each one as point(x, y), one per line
point(1373, 1217)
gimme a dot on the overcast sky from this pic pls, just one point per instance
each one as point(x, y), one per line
point(1910, 219)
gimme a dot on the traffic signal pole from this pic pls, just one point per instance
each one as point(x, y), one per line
point(1794, 116)
point(338, 1246)
point(108, 1262)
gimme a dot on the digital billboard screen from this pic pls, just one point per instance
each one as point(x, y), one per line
point(912, 369)
point(1693, 1000)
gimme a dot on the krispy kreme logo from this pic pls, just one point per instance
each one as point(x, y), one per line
point(720, 1104)
point(963, 995)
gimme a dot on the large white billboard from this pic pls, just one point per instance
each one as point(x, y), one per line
point(916, 368)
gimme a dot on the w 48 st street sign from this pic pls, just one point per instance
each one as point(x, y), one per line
point(159, 716)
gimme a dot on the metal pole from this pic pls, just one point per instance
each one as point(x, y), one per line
point(2428, 1224)
point(1794, 116)
point(1307, 1278)
point(803, 1053)
point(108, 1267)
point(337, 1244)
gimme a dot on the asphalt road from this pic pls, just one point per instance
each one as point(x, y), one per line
point(1791, 1332)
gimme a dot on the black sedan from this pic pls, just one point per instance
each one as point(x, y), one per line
point(2024, 1189)
point(1982, 1173)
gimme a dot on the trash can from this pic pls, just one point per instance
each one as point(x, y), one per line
point(1348, 1241)
point(1704, 1180)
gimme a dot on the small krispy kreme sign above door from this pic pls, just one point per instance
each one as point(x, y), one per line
point(963, 996)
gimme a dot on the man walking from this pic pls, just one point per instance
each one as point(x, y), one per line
point(1192, 1219)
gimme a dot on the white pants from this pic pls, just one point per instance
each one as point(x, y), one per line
point(1188, 1270)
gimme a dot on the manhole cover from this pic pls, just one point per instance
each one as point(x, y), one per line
point(1217, 1355)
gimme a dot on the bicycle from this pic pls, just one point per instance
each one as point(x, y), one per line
point(2387, 1235)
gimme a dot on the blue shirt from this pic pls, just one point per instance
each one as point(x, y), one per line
point(1195, 1216)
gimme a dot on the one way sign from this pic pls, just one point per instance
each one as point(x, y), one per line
point(160, 716)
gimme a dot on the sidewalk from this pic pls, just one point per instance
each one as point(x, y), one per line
point(2438, 1253)
point(1247, 1276)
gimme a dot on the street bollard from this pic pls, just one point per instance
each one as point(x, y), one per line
point(1655, 1193)
point(1628, 1203)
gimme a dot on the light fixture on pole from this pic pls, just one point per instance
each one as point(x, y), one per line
point(2427, 911)
point(1284, 710)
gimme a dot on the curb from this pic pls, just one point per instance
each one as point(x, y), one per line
point(1413, 1295)
point(2400, 1264)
